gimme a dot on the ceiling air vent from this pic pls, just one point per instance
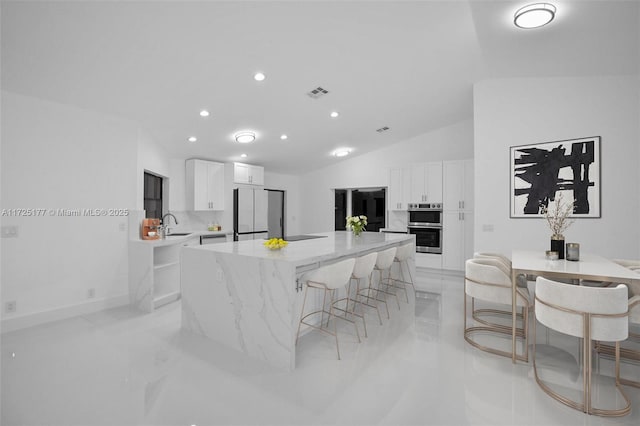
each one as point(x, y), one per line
point(317, 92)
point(382, 129)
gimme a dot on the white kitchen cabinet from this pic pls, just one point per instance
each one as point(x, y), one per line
point(428, 260)
point(248, 174)
point(205, 185)
point(399, 186)
point(458, 185)
point(457, 239)
point(426, 183)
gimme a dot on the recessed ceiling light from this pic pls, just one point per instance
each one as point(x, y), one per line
point(243, 155)
point(245, 137)
point(341, 152)
point(259, 76)
point(204, 113)
point(283, 137)
point(334, 114)
point(192, 139)
point(534, 15)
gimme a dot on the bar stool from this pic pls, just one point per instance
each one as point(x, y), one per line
point(327, 278)
point(403, 253)
point(362, 269)
point(383, 263)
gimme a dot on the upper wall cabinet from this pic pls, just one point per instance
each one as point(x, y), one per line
point(458, 185)
point(426, 183)
point(248, 174)
point(205, 185)
point(399, 186)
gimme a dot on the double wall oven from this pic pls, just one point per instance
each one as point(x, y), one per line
point(425, 222)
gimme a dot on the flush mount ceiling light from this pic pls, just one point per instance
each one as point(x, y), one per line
point(341, 152)
point(204, 113)
point(334, 114)
point(259, 76)
point(534, 15)
point(192, 139)
point(283, 137)
point(245, 137)
point(243, 155)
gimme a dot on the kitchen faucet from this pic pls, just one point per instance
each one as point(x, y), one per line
point(166, 227)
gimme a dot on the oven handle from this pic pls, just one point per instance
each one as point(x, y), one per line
point(424, 225)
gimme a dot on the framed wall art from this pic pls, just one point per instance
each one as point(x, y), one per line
point(540, 172)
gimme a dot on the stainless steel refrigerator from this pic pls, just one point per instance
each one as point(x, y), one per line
point(250, 214)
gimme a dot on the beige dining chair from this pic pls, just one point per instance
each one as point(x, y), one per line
point(588, 313)
point(486, 279)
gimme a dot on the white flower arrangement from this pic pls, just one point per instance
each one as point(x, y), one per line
point(357, 223)
point(558, 218)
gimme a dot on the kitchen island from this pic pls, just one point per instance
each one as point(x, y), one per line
point(249, 298)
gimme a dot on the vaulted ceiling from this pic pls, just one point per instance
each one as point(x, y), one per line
point(407, 65)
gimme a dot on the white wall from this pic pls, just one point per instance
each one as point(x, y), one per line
point(453, 142)
point(61, 157)
point(511, 112)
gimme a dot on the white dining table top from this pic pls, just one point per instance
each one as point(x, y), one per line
point(590, 266)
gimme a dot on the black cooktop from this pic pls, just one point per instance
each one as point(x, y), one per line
point(303, 237)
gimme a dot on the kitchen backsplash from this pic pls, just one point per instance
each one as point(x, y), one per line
point(397, 220)
point(196, 221)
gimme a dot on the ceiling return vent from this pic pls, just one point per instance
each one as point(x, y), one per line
point(382, 129)
point(317, 92)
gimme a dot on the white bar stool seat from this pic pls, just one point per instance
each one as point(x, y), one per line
point(328, 279)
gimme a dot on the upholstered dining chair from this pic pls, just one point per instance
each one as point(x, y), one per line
point(588, 313)
point(486, 279)
point(505, 263)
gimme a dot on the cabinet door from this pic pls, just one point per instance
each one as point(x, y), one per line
point(433, 182)
point(396, 181)
point(240, 173)
point(453, 250)
point(417, 192)
point(468, 185)
point(215, 187)
point(256, 175)
point(200, 186)
point(468, 236)
point(454, 176)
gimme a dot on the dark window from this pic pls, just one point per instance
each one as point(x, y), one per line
point(371, 204)
point(341, 210)
point(152, 196)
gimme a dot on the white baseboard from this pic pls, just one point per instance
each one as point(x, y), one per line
point(70, 311)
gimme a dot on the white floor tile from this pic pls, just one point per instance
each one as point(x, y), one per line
point(119, 367)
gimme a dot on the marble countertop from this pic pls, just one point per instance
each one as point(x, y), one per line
point(334, 245)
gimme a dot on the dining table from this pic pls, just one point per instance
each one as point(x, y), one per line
point(590, 267)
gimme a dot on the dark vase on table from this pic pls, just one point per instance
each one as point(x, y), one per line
point(557, 244)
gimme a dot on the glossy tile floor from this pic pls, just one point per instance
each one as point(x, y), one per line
point(119, 367)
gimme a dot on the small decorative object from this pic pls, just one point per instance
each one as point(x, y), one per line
point(275, 243)
point(558, 220)
point(573, 251)
point(356, 224)
point(551, 255)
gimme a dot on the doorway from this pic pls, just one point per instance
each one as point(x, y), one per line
point(275, 213)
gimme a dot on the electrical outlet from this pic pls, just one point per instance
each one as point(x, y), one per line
point(10, 307)
point(9, 232)
point(219, 275)
point(122, 227)
point(91, 293)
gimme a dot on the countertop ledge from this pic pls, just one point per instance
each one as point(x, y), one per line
point(178, 239)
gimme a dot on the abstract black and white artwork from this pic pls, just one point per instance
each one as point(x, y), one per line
point(540, 172)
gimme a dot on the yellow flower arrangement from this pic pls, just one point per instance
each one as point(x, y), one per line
point(275, 243)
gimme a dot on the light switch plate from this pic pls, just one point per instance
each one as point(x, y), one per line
point(487, 228)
